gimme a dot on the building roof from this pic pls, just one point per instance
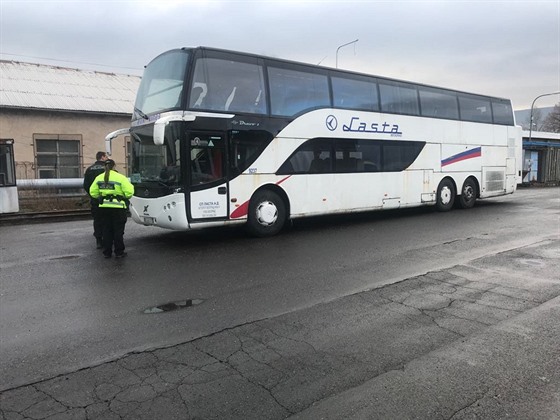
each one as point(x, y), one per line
point(541, 135)
point(45, 87)
point(540, 139)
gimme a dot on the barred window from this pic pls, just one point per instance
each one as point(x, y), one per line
point(57, 156)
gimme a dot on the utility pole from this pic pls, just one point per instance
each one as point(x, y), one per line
point(344, 45)
point(532, 105)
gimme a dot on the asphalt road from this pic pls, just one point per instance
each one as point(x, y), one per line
point(65, 310)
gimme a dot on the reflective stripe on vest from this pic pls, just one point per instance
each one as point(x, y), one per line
point(112, 203)
point(110, 199)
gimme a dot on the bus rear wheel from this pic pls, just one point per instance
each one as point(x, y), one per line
point(468, 194)
point(267, 214)
point(445, 195)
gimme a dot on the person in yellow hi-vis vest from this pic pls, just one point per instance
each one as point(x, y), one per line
point(113, 191)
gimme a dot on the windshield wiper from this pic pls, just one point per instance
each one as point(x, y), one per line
point(139, 112)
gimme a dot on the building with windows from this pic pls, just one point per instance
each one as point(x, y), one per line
point(57, 118)
point(541, 157)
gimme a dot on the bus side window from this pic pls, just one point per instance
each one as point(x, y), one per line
point(313, 157)
point(293, 91)
point(319, 164)
point(475, 109)
point(399, 98)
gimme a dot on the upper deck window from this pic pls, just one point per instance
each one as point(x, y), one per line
point(225, 85)
point(355, 94)
point(293, 91)
point(398, 98)
point(502, 111)
point(438, 103)
point(162, 83)
point(475, 109)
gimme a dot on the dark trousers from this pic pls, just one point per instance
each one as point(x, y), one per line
point(113, 221)
point(97, 222)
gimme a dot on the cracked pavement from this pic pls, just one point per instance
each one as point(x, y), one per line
point(480, 340)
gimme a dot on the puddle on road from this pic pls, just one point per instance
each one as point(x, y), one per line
point(173, 306)
point(532, 262)
point(65, 257)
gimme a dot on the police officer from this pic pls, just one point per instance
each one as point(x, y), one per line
point(113, 191)
point(91, 173)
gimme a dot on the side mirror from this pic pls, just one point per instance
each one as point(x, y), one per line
point(109, 138)
point(161, 123)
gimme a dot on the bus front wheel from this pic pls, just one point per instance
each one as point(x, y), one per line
point(267, 214)
point(445, 195)
point(468, 194)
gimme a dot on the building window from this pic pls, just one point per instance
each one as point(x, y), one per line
point(57, 156)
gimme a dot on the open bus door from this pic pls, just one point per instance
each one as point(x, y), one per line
point(9, 202)
point(207, 180)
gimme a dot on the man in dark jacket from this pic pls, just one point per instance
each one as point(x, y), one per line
point(91, 173)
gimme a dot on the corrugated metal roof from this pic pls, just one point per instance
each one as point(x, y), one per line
point(28, 85)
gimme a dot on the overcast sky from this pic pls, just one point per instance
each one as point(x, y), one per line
point(508, 49)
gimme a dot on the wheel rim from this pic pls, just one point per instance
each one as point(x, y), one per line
point(468, 192)
point(445, 195)
point(267, 213)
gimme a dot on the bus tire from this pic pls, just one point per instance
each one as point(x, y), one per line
point(468, 195)
point(445, 195)
point(267, 214)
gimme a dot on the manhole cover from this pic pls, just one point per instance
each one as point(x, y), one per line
point(173, 306)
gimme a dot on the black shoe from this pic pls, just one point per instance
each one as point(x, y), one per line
point(124, 254)
point(107, 256)
point(99, 244)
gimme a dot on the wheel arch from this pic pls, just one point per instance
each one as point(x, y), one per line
point(281, 193)
point(459, 186)
point(477, 183)
point(450, 178)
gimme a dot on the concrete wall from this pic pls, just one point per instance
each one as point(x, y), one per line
point(23, 124)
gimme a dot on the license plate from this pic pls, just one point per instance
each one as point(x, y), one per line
point(149, 220)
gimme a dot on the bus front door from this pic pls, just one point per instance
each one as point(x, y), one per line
point(208, 183)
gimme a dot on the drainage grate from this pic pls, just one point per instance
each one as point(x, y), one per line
point(173, 306)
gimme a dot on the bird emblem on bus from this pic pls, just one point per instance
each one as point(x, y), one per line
point(332, 122)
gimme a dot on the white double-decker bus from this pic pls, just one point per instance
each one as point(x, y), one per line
point(220, 137)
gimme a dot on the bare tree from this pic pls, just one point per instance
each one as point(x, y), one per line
point(552, 121)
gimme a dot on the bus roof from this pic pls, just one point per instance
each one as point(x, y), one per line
point(326, 69)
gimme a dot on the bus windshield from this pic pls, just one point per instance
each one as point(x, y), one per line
point(153, 163)
point(162, 83)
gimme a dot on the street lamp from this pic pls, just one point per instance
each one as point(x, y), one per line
point(531, 118)
point(343, 45)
